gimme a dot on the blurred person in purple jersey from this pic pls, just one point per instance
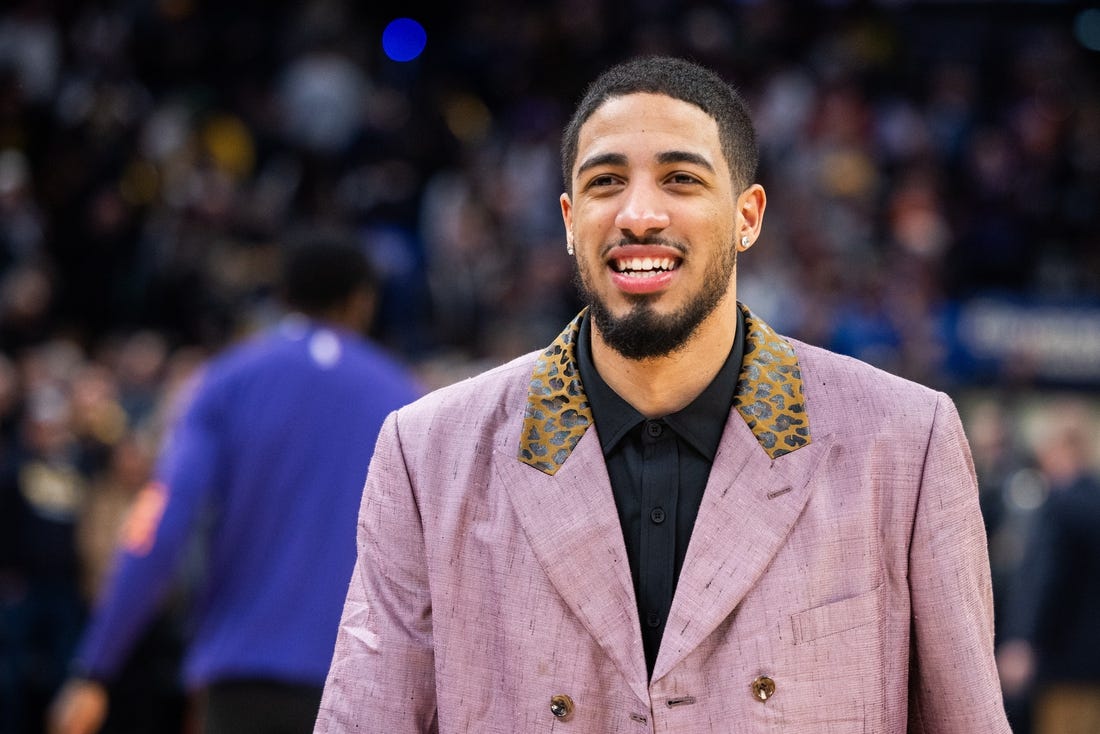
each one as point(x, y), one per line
point(265, 464)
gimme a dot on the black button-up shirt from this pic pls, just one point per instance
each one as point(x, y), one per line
point(658, 470)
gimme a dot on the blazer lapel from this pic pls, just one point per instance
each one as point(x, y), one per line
point(571, 523)
point(749, 507)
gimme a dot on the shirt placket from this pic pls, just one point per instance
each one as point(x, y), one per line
point(660, 487)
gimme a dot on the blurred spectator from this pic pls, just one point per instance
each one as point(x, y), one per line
point(997, 463)
point(43, 486)
point(1052, 636)
point(21, 227)
point(1010, 493)
point(27, 307)
point(323, 101)
point(264, 467)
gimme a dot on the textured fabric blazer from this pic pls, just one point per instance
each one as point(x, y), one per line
point(836, 580)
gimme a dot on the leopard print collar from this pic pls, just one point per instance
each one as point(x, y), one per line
point(768, 397)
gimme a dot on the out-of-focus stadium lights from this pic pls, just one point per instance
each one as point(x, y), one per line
point(404, 39)
point(1087, 28)
point(467, 117)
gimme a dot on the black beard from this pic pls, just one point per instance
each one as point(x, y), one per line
point(644, 334)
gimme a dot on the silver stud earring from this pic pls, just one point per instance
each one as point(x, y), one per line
point(569, 246)
point(745, 241)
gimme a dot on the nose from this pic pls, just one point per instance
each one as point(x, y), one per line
point(642, 211)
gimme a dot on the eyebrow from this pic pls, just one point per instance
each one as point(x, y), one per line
point(682, 156)
point(664, 158)
point(604, 159)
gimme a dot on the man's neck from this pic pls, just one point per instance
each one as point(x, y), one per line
point(663, 385)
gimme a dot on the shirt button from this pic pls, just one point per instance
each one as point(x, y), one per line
point(653, 428)
point(657, 516)
point(653, 619)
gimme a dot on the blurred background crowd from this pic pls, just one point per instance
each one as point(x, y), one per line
point(933, 171)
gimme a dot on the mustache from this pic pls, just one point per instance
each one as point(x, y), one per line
point(652, 239)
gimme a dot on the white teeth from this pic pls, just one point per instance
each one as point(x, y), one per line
point(641, 265)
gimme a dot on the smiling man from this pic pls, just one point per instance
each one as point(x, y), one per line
point(673, 519)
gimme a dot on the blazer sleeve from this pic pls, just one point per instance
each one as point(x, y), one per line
point(953, 684)
point(381, 678)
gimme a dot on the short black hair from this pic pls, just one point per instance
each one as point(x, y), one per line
point(680, 79)
point(321, 274)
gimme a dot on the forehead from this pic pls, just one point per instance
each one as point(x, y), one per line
point(644, 124)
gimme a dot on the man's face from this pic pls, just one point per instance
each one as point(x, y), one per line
point(653, 219)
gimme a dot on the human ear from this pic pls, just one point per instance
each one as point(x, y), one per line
point(750, 215)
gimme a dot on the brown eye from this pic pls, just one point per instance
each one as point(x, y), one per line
point(682, 178)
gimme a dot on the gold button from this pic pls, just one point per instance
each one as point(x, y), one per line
point(763, 688)
point(561, 706)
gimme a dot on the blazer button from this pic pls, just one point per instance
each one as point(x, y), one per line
point(762, 688)
point(561, 706)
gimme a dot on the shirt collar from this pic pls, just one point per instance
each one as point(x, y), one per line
point(700, 423)
point(768, 396)
point(614, 416)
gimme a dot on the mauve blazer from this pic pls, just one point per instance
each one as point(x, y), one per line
point(836, 581)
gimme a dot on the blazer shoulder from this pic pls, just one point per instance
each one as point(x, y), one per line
point(840, 389)
point(498, 390)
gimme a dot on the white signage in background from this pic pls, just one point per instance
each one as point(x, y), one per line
point(1050, 342)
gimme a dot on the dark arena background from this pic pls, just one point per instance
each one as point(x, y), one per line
point(932, 168)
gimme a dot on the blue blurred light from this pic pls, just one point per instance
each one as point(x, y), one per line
point(404, 39)
point(1087, 28)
